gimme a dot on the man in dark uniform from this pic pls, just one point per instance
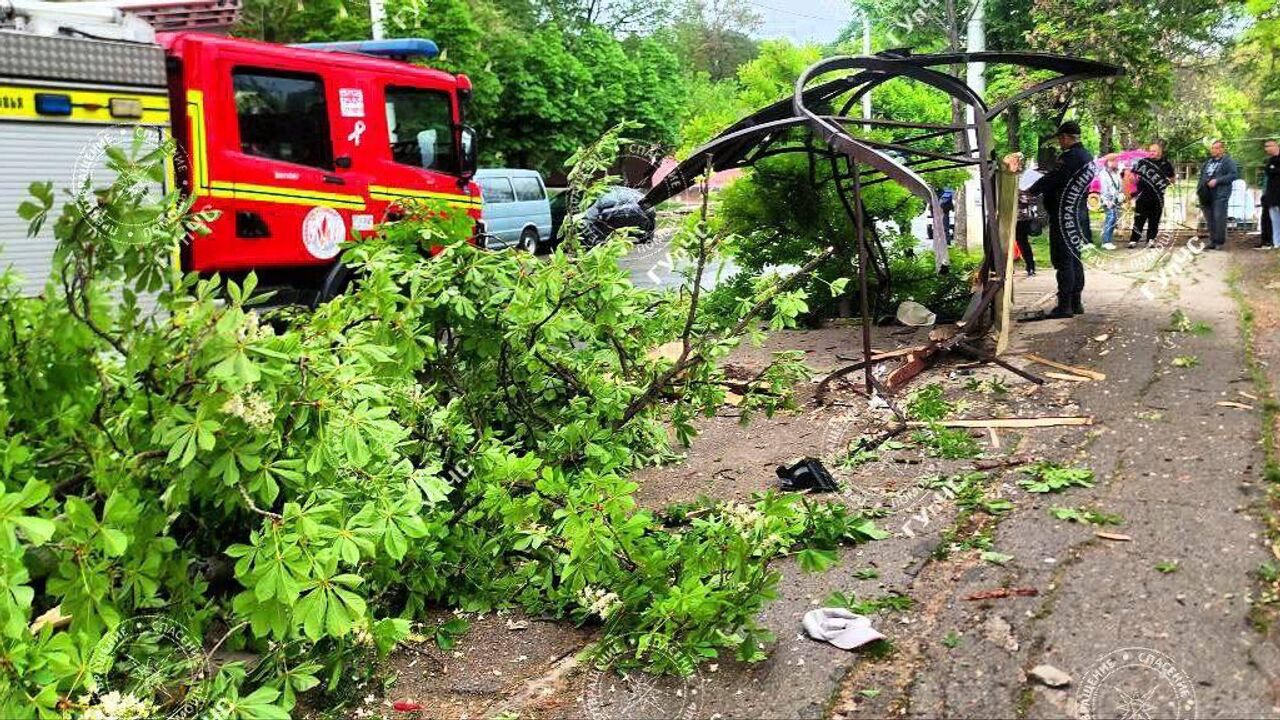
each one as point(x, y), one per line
point(1065, 189)
point(1150, 203)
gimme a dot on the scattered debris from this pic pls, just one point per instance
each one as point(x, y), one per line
point(1118, 537)
point(1068, 378)
point(1233, 404)
point(840, 627)
point(1101, 338)
point(517, 624)
point(995, 558)
point(52, 617)
point(998, 631)
point(1091, 374)
point(1004, 462)
point(914, 314)
point(807, 474)
point(1008, 422)
point(1003, 592)
point(1050, 676)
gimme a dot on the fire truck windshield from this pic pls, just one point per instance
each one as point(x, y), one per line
point(420, 125)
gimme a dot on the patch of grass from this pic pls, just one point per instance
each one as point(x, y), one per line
point(1167, 566)
point(947, 443)
point(1180, 323)
point(952, 640)
point(1263, 611)
point(869, 692)
point(1186, 361)
point(866, 573)
point(1047, 477)
point(879, 650)
point(994, 386)
point(858, 458)
point(893, 602)
point(1085, 516)
point(928, 404)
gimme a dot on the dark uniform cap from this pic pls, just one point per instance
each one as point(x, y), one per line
point(1070, 127)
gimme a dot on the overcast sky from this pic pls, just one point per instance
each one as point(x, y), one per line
point(802, 21)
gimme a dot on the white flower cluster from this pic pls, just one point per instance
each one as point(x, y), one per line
point(117, 706)
point(599, 602)
point(250, 407)
point(743, 517)
point(251, 329)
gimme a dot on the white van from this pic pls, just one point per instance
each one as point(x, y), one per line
point(516, 211)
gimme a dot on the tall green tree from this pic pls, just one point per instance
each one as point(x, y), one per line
point(1145, 37)
point(289, 21)
point(714, 36)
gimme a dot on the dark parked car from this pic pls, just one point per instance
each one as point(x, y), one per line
point(618, 208)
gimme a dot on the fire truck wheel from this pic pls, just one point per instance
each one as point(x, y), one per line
point(529, 241)
point(335, 283)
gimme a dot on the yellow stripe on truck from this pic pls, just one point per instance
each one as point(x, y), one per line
point(199, 158)
point(382, 192)
point(18, 102)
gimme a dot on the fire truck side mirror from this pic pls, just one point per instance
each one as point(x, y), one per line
point(467, 152)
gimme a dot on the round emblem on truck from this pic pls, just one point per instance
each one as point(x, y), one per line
point(323, 230)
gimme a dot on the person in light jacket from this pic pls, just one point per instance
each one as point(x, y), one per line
point(1112, 195)
point(1214, 192)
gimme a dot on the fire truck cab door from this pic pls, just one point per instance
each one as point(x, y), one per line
point(292, 132)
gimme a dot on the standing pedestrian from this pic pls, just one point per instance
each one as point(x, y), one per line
point(1111, 190)
point(1271, 194)
point(947, 201)
point(1214, 192)
point(1149, 205)
point(1064, 251)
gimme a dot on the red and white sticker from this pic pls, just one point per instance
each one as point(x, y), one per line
point(351, 102)
point(323, 230)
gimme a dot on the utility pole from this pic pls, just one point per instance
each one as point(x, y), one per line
point(975, 41)
point(866, 50)
point(377, 17)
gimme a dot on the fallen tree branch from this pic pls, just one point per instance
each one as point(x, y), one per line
point(1085, 372)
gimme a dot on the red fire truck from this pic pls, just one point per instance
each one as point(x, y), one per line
point(297, 147)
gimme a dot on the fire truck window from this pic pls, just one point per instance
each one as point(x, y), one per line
point(496, 190)
point(527, 189)
point(420, 125)
point(283, 117)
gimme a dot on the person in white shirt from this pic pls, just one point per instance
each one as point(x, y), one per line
point(1112, 195)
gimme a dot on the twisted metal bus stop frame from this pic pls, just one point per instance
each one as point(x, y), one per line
point(860, 161)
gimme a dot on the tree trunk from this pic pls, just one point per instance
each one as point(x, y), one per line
point(1013, 125)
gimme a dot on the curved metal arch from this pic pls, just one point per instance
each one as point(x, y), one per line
point(884, 68)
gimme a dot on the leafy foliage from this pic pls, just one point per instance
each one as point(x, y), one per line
point(1047, 477)
point(1085, 515)
point(457, 431)
point(947, 443)
point(929, 404)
